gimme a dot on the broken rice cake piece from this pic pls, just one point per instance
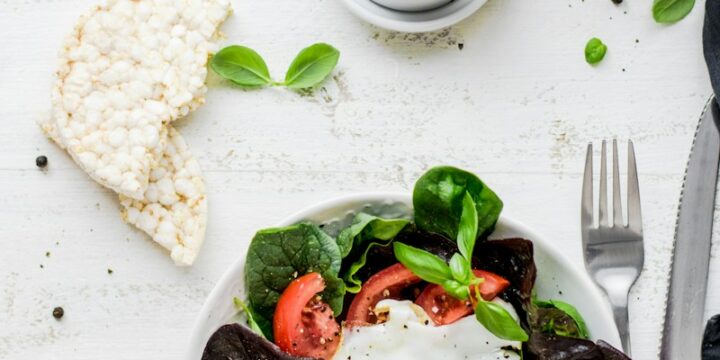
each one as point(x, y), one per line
point(129, 68)
point(174, 207)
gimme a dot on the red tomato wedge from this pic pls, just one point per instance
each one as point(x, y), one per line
point(386, 284)
point(444, 309)
point(303, 325)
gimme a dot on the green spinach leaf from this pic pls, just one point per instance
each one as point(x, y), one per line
point(241, 65)
point(670, 11)
point(438, 201)
point(595, 51)
point(561, 318)
point(279, 255)
point(366, 228)
point(311, 66)
point(355, 241)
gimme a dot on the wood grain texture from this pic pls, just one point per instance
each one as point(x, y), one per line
point(517, 105)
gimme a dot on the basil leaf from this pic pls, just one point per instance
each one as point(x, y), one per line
point(595, 51)
point(569, 310)
point(277, 256)
point(456, 289)
point(425, 265)
point(366, 228)
point(499, 321)
point(460, 269)
point(241, 307)
point(311, 66)
point(438, 196)
point(670, 11)
point(467, 231)
point(241, 65)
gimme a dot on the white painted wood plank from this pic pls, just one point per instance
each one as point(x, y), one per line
point(517, 105)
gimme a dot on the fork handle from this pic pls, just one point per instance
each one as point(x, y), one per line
point(620, 312)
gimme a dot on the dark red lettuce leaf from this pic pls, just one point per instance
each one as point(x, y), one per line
point(711, 339)
point(237, 342)
point(512, 259)
point(552, 347)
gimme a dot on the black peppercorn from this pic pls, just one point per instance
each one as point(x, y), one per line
point(41, 161)
point(58, 312)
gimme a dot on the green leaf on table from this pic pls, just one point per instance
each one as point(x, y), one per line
point(365, 232)
point(670, 11)
point(241, 65)
point(595, 51)
point(438, 201)
point(499, 321)
point(252, 324)
point(311, 66)
point(425, 265)
point(279, 255)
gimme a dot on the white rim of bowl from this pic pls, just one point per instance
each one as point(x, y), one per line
point(414, 26)
point(332, 203)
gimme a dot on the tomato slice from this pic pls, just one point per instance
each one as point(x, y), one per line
point(303, 325)
point(386, 284)
point(444, 309)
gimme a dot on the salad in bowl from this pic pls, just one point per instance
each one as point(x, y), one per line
point(440, 276)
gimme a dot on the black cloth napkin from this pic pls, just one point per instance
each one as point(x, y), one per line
point(711, 49)
point(711, 42)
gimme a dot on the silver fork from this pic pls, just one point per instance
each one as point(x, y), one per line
point(613, 252)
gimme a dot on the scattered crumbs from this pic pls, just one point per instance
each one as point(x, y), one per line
point(110, 271)
point(58, 312)
point(443, 38)
point(461, 46)
point(41, 161)
point(47, 254)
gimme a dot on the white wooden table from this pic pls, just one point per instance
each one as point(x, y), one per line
point(516, 105)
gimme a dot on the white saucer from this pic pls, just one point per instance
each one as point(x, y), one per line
point(421, 21)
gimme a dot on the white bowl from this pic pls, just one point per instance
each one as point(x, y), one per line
point(412, 5)
point(557, 278)
point(415, 21)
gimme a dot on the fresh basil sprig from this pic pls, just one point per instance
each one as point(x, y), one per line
point(241, 65)
point(670, 11)
point(457, 277)
point(311, 66)
point(245, 67)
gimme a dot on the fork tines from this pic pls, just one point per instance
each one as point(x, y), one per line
point(633, 192)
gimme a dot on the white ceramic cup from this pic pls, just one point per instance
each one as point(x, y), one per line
point(412, 5)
